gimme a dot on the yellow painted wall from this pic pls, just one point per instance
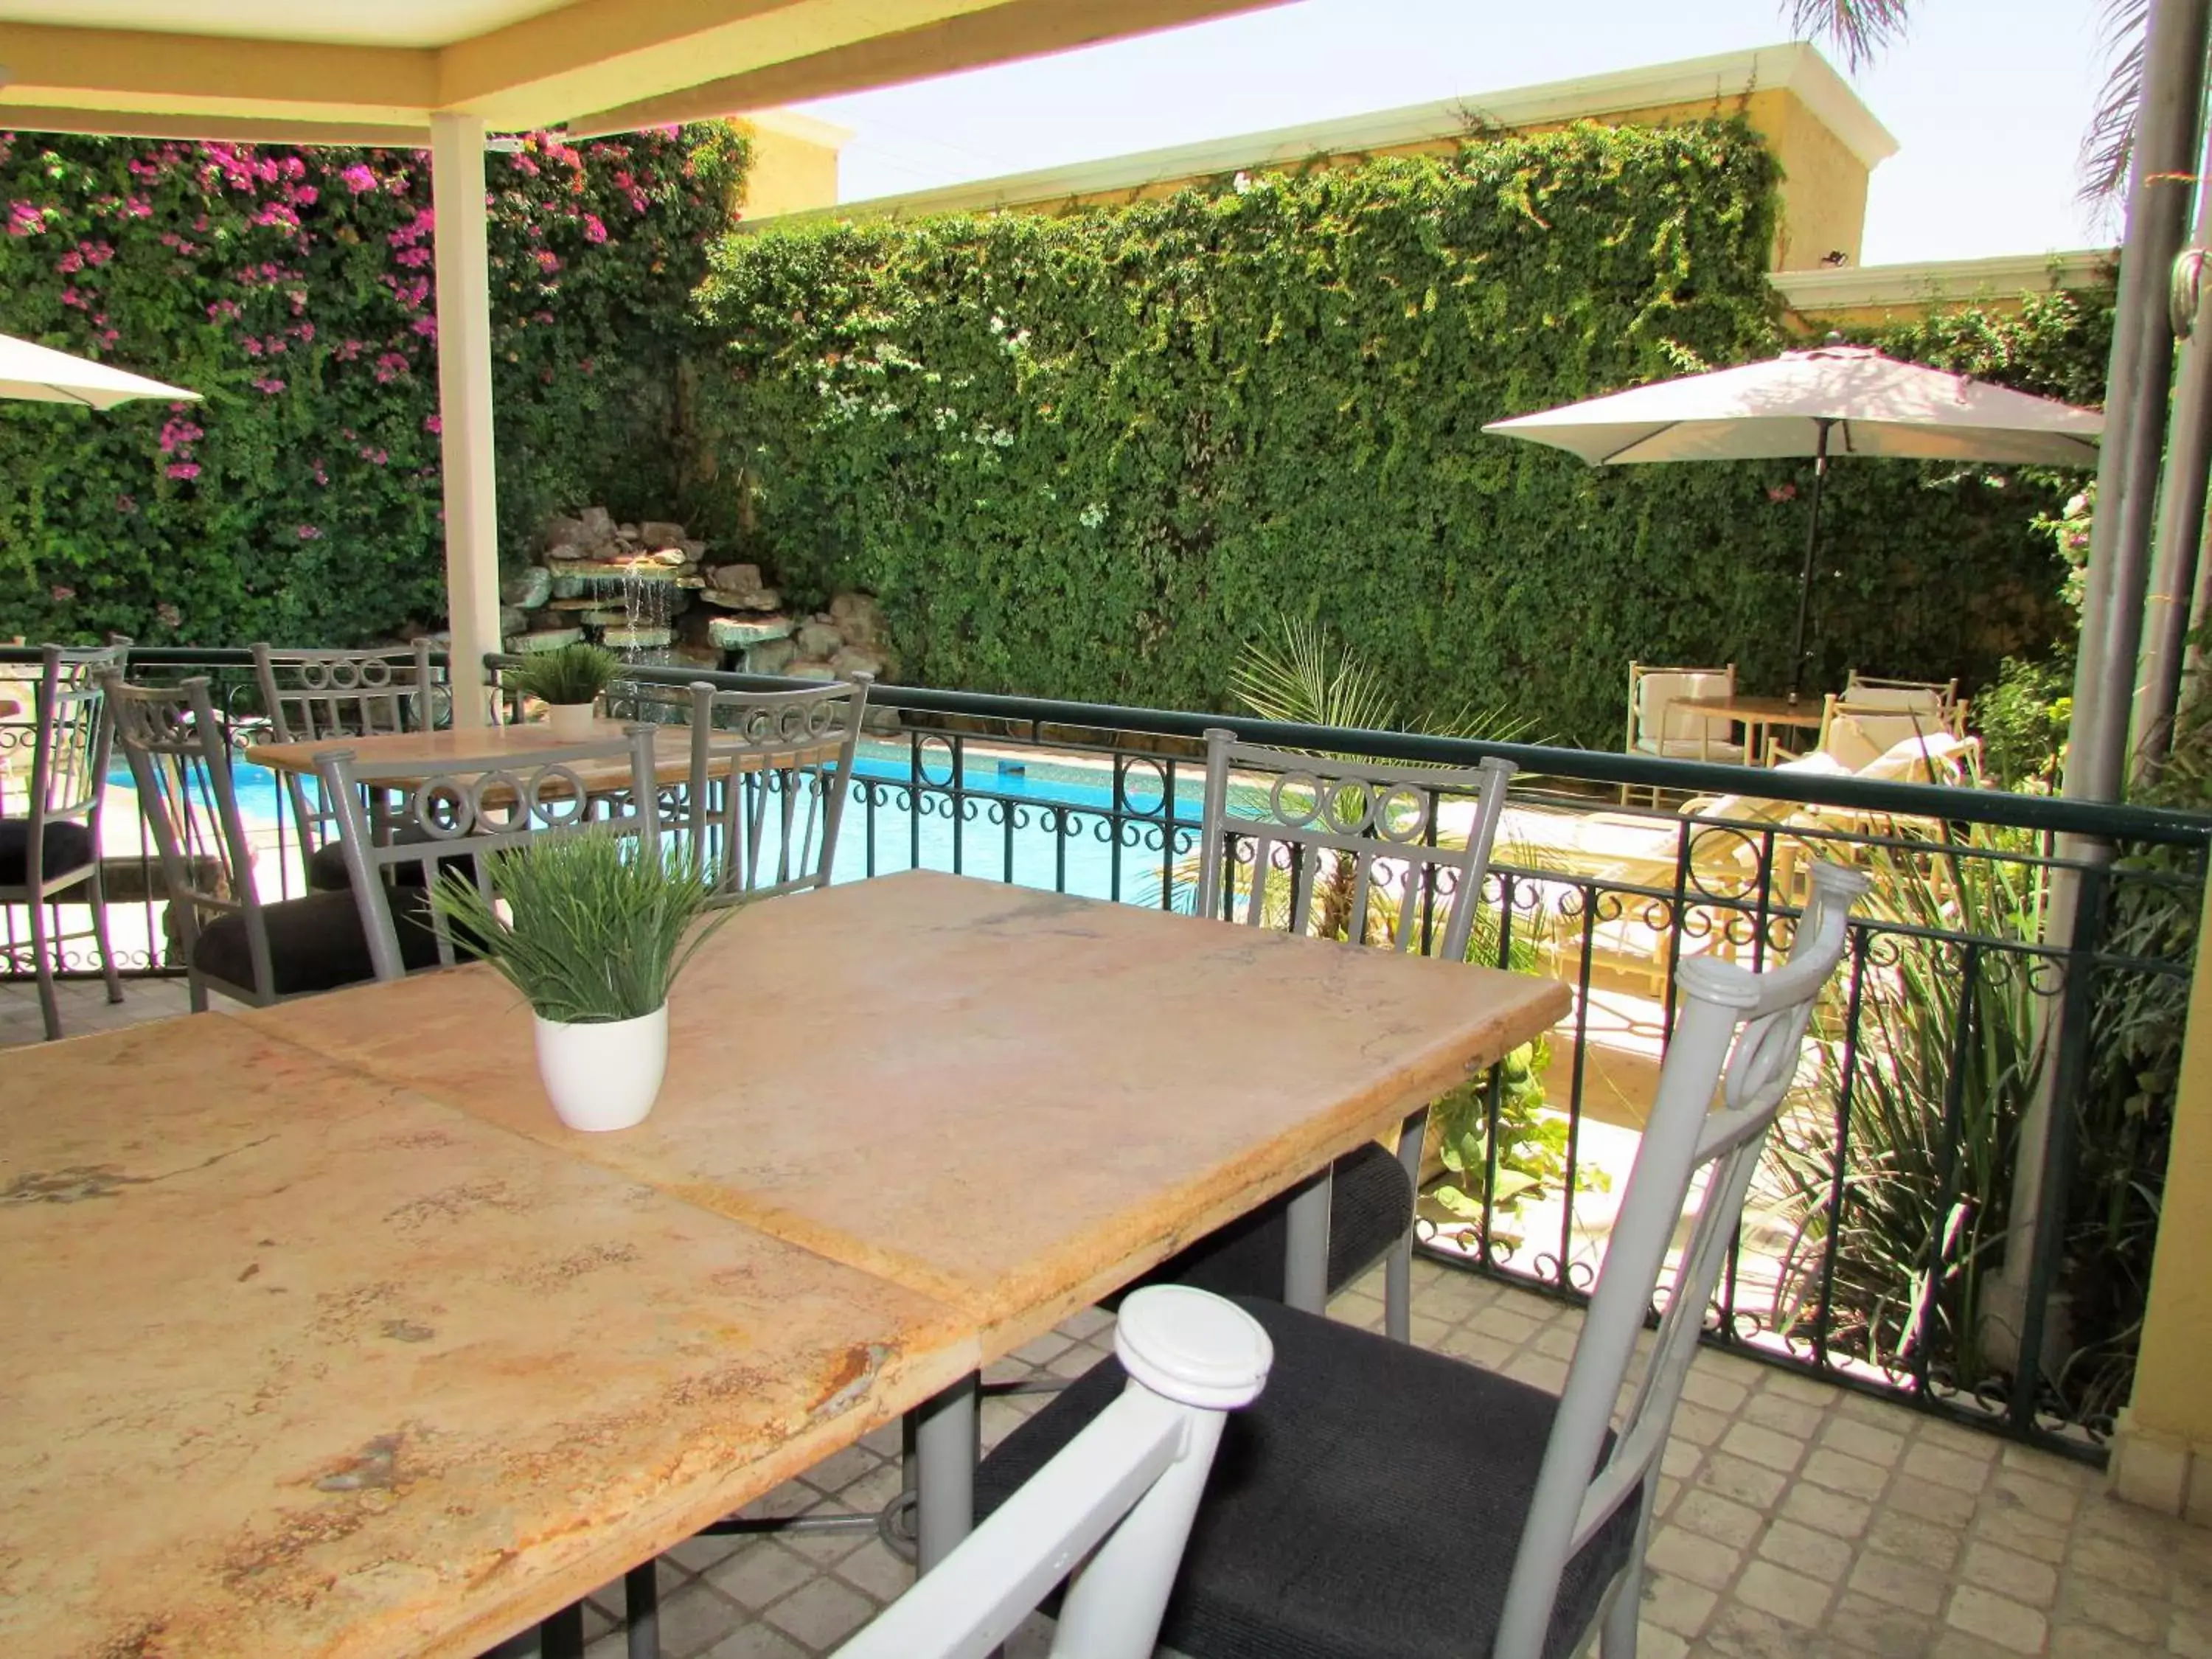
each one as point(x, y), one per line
point(790, 171)
point(1824, 185)
point(2162, 1455)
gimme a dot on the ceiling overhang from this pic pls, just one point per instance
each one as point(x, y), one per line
point(598, 65)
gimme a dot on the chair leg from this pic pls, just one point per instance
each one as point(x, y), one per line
point(196, 997)
point(1617, 1634)
point(97, 891)
point(1398, 1292)
point(43, 966)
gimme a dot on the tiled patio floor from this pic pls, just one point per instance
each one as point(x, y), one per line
point(1795, 1521)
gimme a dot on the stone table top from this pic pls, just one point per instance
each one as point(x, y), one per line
point(1009, 1100)
point(301, 1361)
point(439, 749)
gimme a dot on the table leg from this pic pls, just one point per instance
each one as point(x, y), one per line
point(1305, 1261)
point(944, 1459)
point(641, 1609)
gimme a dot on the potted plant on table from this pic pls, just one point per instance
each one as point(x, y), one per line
point(592, 928)
point(568, 681)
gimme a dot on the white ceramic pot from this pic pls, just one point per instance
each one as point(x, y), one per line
point(604, 1076)
point(571, 722)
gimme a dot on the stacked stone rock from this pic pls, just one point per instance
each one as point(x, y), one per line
point(592, 568)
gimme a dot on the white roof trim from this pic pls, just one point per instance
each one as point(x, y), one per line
point(1814, 292)
point(808, 129)
point(1796, 67)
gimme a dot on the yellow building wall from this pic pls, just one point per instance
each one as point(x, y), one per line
point(793, 168)
point(2162, 1453)
point(1824, 185)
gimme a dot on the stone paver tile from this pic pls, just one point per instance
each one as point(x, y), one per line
point(1997, 1618)
point(756, 1641)
point(1880, 1627)
point(840, 1468)
point(2137, 1618)
point(2009, 1573)
point(2118, 1566)
point(1868, 1442)
point(1898, 1532)
point(876, 1571)
point(1538, 1370)
point(1558, 1342)
point(694, 1619)
point(1506, 1324)
point(1789, 1596)
point(1741, 1632)
point(825, 1549)
point(1487, 1352)
point(1087, 1323)
point(1900, 1583)
point(2020, 1532)
point(2090, 1642)
point(1714, 1516)
point(1654, 1642)
point(1679, 1460)
point(1715, 1392)
point(1794, 1417)
point(1675, 1604)
point(697, 1554)
point(1688, 1555)
point(760, 1572)
point(1978, 1444)
point(1853, 1476)
point(1945, 1505)
point(1826, 1510)
point(2190, 1635)
point(1945, 1468)
point(1744, 1481)
point(822, 1612)
point(1697, 1425)
point(1764, 1446)
point(1814, 1554)
point(2052, 1500)
point(1963, 1645)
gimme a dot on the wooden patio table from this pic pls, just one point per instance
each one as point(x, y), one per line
point(439, 749)
point(1758, 716)
point(302, 1362)
point(1011, 1101)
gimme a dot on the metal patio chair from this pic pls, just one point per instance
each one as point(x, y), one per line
point(471, 806)
point(1381, 1502)
point(769, 772)
point(309, 697)
point(1307, 844)
point(229, 940)
point(50, 852)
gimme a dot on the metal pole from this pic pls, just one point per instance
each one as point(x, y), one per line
point(2180, 511)
point(2135, 387)
point(2137, 383)
point(1812, 542)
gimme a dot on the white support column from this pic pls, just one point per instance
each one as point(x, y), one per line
point(456, 179)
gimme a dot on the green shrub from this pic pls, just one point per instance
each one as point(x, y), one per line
point(1082, 456)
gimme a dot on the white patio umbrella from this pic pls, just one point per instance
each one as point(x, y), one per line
point(44, 375)
point(1831, 400)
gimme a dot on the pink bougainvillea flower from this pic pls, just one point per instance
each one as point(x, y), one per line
point(593, 230)
point(358, 178)
point(309, 533)
point(184, 470)
point(70, 263)
point(547, 261)
point(61, 595)
point(25, 220)
point(432, 423)
point(426, 326)
point(271, 388)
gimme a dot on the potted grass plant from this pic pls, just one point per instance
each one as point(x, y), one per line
point(568, 681)
point(591, 928)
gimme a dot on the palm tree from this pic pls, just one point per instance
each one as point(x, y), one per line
point(1861, 29)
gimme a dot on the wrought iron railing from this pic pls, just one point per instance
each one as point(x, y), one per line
point(1893, 1244)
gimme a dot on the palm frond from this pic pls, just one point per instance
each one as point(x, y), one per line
point(2109, 145)
point(1287, 674)
point(1860, 29)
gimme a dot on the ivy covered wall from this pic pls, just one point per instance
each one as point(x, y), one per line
point(301, 501)
point(1088, 456)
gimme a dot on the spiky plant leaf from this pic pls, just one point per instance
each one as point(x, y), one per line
point(572, 673)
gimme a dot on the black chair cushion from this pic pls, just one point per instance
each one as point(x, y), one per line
point(66, 845)
point(315, 943)
point(1370, 1205)
point(327, 872)
point(1367, 1506)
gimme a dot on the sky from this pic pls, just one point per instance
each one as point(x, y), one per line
point(1986, 98)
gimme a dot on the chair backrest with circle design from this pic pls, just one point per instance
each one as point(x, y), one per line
point(769, 774)
point(1347, 849)
point(474, 805)
point(311, 696)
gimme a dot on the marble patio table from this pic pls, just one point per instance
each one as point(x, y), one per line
point(1008, 1102)
point(300, 1361)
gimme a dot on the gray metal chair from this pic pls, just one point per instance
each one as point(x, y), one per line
point(769, 771)
point(1116, 1501)
point(229, 940)
point(51, 851)
point(1382, 1502)
point(447, 819)
point(310, 696)
point(1348, 850)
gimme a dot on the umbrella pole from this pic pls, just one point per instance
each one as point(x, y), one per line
point(1812, 543)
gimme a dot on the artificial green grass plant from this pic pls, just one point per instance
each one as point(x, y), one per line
point(590, 927)
point(573, 673)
